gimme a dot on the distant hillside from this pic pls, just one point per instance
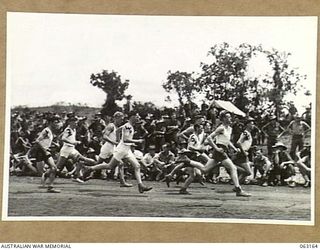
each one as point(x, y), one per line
point(79, 110)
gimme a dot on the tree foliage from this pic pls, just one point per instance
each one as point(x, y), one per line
point(113, 86)
point(228, 77)
point(183, 84)
point(283, 80)
point(145, 108)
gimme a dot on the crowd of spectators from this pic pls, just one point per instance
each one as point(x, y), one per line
point(167, 133)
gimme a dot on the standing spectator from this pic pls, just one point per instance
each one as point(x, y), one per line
point(307, 115)
point(237, 128)
point(272, 130)
point(297, 128)
point(82, 135)
point(97, 126)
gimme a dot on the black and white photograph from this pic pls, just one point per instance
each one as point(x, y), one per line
point(160, 118)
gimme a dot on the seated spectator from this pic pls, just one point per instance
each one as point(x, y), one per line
point(164, 161)
point(147, 163)
point(283, 166)
point(303, 163)
point(263, 165)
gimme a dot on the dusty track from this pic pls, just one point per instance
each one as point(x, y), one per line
point(106, 198)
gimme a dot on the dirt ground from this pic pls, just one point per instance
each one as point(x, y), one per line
point(106, 198)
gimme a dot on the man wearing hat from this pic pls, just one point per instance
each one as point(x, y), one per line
point(97, 126)
point(272, 130)
point(283, 168)
point(297, 128)
point(82, 135)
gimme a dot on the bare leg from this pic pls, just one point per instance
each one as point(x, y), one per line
point(228, 164)
point(188, 181)
point(52, 172)
point(29, 165)
point(123, 182)
point(245, 170)
point(87, 161)
point(204, 169)
point(61, 163)
point(176, 168)
point(40, 166)
point(135, 164)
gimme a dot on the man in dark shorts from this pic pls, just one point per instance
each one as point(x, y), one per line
point(41, 151)
point(222, 137)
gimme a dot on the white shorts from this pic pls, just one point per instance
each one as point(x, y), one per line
point(69, 152)
point(119, 155)
point(106, 150)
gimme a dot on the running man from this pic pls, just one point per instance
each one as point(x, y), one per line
point(242, 160)
point(194, 151)
point(111, 138)
point(41, 151)
point(222, 137)
point(68, 150)
point(123, 152)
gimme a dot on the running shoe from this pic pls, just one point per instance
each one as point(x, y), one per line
point(184, 191)
point(43, 179)
point(52, 190)
point(168, 179)
point(125, 184)
point(142, 188)
point(292, 184)
point(307, 184)
point(77, 180)
point(243, 194)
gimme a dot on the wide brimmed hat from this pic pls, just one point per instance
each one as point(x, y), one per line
point(280, 145)
point(307, 144)
point(118, 114)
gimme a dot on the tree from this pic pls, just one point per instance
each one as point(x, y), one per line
point(283, 79)
point(113, 86)
point(226, 77)
point(183, 84)
point(144, 108)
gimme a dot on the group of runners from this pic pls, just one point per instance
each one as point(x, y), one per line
point(202, 151)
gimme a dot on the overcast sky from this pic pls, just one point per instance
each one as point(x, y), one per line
point(51, 56)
